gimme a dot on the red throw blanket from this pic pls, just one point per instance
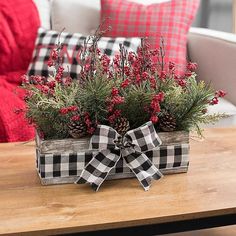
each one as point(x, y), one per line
point(19, 21)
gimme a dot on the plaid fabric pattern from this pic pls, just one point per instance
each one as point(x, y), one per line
point(170, 20)
point(143, 138)
point(143, 168)
point(96, 171)
point(72, 43)
point(169, 157)
point(72, 164)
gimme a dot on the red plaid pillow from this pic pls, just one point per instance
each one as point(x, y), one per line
point(170, 20)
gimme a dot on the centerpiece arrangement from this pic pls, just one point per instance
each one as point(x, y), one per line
point(120, 101)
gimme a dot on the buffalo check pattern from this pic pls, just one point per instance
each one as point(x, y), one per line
point(71, 46)
point(71, 164)
point(168, 20)
point(113, 147)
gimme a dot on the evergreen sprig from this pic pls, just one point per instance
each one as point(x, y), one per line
point(44, 110)
point(93, 97)
point(137, 98)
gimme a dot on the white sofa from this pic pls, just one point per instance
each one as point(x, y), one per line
point(214, 51)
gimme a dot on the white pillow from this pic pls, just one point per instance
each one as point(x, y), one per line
point(81, 16)
point(43, 7)
point(75, 15)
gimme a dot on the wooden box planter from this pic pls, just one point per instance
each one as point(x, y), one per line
point(61, 161)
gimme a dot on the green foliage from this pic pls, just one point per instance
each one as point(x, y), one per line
point(189, 104)
point(93, 97)
point(137, 98)
point(43, 109)
point(195, 100)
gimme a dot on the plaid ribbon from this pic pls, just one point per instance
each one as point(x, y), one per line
point(112, 147)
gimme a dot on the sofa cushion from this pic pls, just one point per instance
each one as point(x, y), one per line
point(70, 52)
point(43, 7)
point(170, 20)
point(214, 52)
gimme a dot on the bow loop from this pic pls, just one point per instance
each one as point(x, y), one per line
point(112, 147)
point(104, 138)
point(143, 138)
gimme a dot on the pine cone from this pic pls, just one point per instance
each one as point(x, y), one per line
point(167, 122)
point(121, 125)
point(77, 129)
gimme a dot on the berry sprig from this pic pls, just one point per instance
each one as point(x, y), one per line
point(124, 92)
point(215, 99)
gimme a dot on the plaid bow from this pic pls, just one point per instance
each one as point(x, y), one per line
point(112, 147)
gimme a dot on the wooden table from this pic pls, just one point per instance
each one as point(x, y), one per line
point(204, 197)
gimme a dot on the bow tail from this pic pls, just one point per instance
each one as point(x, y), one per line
point(143, 168)
point(97, 170)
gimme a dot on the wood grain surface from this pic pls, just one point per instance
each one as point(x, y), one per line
point(208, 189)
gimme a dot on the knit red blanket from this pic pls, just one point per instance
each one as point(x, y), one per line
point(19, 21)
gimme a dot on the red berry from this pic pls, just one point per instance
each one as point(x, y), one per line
point(111, 119)
point(154, 119)
point(125, 83)
point(214, 101)
point(160, 96)
point(44, 89)
point(25, 79)
point(131, 57)
point(75, 118)
point(163, 75)
point(188, 73)
point(138, 79)
point(145, 75)
point(50, 63)
point(72, 108)
point(51, 84)
point(117, 100)
point(155, 106)
point(191, 66)
point(127, 70)
point(87, 67)
point(117, 113)
point(91, 130)
point(63, 111)
point(220, 93)
point(54, 54)
point(153, 83)
point(114, 91)
point(182, 82)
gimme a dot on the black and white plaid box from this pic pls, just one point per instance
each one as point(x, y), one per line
point(62, 161)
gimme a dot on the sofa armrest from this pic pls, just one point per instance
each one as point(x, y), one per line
point(215, 53)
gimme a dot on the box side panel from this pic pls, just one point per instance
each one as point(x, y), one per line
point(59, 146)
point(66, 167)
